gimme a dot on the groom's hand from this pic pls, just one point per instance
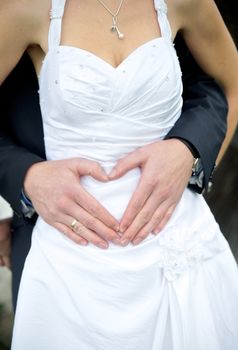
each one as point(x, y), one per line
point(58, 197)
point(166, 167)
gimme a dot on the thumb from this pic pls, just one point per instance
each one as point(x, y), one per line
point(91, 168)
point(125, 164)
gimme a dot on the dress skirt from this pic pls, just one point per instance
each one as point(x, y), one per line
point(175, 291)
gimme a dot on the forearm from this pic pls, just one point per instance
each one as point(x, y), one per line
point(232, 124)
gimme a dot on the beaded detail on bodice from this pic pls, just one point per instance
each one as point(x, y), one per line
point(85, 100)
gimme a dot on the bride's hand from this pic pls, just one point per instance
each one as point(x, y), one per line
point(166, 168)
point(58, 197)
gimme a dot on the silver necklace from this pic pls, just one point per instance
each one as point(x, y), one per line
point(114, 27)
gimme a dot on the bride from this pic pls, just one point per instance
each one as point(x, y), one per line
point(110, 89)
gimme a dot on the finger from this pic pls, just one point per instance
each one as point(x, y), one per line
point(129, 162)
point(161, 225)
point(137, 202)
point(67, 231)
point(1, 262)
point(81, 231)
point(154, 211)
point(69, 210)
point(95, 225)
point(159, 218)
point(91, 168)
point(85, 200)
point(138, 230)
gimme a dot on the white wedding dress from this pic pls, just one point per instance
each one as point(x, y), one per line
point(174, 291)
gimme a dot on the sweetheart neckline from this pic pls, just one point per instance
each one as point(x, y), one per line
point(100, 59)
point(106, 62)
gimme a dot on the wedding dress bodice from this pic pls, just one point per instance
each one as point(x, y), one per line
point(92, 110)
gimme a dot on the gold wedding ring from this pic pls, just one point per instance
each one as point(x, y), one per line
point(73, 224)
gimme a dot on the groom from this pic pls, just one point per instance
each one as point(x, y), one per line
point(51, 185)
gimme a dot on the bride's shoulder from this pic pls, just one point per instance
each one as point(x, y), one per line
point(189, 11)
point(23, 21)
point(186, 4)
point(21, 25)
point(22, 12)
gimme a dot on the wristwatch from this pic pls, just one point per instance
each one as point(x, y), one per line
point(28, 210)
point(197, 179)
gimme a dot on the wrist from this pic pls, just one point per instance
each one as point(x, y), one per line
point(197, 179)
point(185, 152)
point(190, 147)
point(28, 180)
point(27, 207)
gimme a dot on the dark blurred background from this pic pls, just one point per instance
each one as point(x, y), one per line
point(223, 199)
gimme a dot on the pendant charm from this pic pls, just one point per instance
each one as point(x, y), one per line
point(114, 28)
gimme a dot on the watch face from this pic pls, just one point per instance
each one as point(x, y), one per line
point(197, 166)
point(195, 162)
point(197, 177)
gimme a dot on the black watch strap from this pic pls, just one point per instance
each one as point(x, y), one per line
point(197, 179)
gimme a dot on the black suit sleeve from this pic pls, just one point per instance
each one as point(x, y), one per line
point(203, 119)
point(20, 131)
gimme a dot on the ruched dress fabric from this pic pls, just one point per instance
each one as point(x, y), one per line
point(174, 291)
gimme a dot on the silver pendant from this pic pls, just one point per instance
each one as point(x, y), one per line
point(114, 28)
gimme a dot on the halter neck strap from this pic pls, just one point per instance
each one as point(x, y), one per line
point(56, 15)
point(161, 8)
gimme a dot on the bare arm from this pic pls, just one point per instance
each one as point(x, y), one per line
point(211, 44)
point(17, 31)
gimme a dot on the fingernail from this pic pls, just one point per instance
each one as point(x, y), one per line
point(124, 242)
point(156, 231)
point(83, 243)
point(103, 245)
point(122, 228)
point(137, 241)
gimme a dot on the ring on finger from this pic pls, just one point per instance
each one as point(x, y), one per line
point(73, 224)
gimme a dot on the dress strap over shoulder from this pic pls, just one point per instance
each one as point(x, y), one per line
point(161, 8)
point(56, 15)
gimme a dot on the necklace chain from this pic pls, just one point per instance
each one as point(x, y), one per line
point(107, 8)
point(114, 27)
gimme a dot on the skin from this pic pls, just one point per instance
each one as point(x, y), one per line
point(86, 25)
